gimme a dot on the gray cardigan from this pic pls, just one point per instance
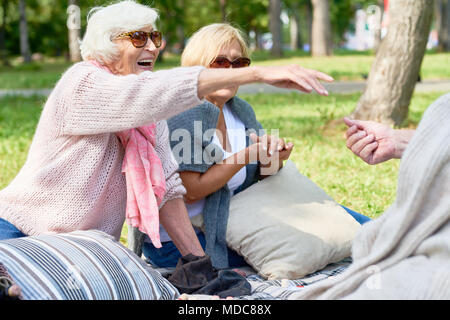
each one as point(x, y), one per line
point(197, 122)
point(215, 213)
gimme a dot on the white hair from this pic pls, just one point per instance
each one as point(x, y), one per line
point(106, 23)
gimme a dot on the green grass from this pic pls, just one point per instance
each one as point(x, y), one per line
point(352, 66)
point(18, 120)
point(343, 66)
point(33, 76)
point(312, 122)
point(43, 75)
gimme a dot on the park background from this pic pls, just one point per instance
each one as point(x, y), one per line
point(344, 38)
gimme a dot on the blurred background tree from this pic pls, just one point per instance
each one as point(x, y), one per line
point(32, 30)
point(396, 68)
point(74, 26)
point(44, 23)
point(442, 17)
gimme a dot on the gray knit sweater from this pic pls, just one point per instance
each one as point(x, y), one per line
point(405, 253)
point(215, 212)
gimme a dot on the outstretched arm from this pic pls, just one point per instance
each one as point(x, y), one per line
point(289, 77)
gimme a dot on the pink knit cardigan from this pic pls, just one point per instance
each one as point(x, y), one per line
point(144, 175)
point(72, 177)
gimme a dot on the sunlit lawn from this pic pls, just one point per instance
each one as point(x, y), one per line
point(310, 121)
point(343, 66)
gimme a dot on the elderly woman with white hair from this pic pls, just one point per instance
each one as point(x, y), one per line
point(100, 153)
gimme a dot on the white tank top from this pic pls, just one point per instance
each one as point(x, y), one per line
point(237, 139)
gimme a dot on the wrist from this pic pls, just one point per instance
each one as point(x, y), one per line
point(402, 138)
point(257, 73)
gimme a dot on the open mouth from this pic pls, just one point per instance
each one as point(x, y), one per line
point(146, 63)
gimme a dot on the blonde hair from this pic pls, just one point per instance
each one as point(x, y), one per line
point(205, 44)
point(105, 23)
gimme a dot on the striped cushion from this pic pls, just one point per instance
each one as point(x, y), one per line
point(82, 265)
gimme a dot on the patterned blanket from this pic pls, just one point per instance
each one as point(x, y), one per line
point(281, 289)
point(263, 289)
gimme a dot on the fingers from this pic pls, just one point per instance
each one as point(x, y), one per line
point(308, 79)
point(286, 152)
point(317, 86)
point(352, 122)
point(254, 137)
point(323, 76)
point(351, 131)
point(276, 145)
point(295, 77)
point(303, 84)
point(314, 82)
point(312, 77)
point(271, 145)
point(352, 139)
point(361, 144)
point(349, 122)
point(367, 153)
point(358, 146)
point(310, 83)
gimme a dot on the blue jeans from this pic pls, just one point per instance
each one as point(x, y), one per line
point(9, 231)
point(357, 216)
point(168, 255)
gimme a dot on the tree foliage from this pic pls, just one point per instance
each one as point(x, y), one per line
point(179, 19)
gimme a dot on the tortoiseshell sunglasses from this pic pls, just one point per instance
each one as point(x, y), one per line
point(139, 38)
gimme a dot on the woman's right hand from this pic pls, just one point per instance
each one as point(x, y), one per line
point(375, 142)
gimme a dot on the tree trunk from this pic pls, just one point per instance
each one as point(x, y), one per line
point(258, 44)
point(223, 11)
point(181, 36)
point(377, 33)
point(24, 43)
point(74, 26)
point(321, 29)
point(309, 15)
point(3, 53)
point(447, 14)
point(275, 27)
point(440, 10)
point(397, 64)
point(447, 25)
point(296, 39)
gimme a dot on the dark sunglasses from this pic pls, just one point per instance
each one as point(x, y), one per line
point(222, 62)
point(139, 38)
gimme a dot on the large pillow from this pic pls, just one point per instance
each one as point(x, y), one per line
point(287, 227)
point(82, 265)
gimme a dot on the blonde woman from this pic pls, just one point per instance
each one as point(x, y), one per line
point(230, 152)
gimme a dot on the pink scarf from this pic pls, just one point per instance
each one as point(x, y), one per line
point(146, 183)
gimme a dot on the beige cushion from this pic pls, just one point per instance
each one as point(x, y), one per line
point(287, 227)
